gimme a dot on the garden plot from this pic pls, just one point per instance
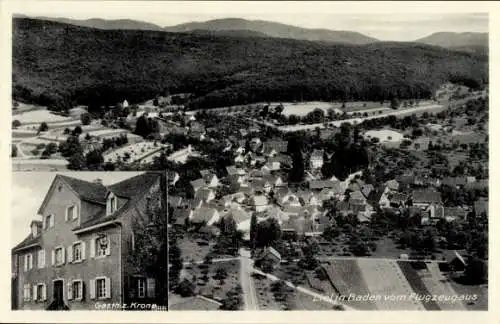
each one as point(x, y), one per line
point(133, 152)
point(346, 278)
point(214, 280)
point(265, 297)
point(386, 281)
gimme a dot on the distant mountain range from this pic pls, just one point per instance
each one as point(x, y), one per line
point(272, 29)
point(469, 42)
point(61, 65)
point(237, 27)
point(98, 23)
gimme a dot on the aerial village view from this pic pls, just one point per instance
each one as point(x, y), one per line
point(358, 185)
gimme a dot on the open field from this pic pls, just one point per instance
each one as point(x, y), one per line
point(178, 303)
point(416, 283)
point(39, 165)
point(346, 278)
point(384, 279)
point(385, 135)
point(398, 113)
point(39, 116)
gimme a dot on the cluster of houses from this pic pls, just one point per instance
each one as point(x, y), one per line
point(258, 182)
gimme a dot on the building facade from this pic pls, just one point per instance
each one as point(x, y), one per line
point(76, 257)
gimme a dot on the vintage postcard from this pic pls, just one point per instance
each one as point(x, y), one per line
point(265, 157)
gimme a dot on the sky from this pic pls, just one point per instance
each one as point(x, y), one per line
point(385, 21)
point(29, 190)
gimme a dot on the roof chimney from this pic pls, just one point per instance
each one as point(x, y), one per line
point(98, 181)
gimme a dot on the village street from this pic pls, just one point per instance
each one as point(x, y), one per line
point(247, 284)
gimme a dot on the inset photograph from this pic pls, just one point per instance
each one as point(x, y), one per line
point(89, 241)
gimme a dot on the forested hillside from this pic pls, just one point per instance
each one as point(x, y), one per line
point(59, 65)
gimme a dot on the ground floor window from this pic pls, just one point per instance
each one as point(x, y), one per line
point(141, 287)
point(40, 290)
point(27, 292)
point(78, 290)
point(101, 288)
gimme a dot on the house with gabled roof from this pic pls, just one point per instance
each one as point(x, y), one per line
point(205, 194)
point(424, 198)
point(77, 254)
point(259, 203)
point(316, 159)
point(197, 184)
point(204, 215)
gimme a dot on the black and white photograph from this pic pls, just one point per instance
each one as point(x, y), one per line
point(89, 241)
point(253, 156)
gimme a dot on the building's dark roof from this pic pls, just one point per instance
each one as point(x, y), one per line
point(278, 145)
point(90, 191)
point(321, 184)
point(132, 189)
point(29, 240)
point(132, 186)
point(174, 201)
point(426, 196)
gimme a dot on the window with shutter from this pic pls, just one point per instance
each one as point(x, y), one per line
point(51, 220)
point(102, 287)
point(27, 292)
point(141, 287)
point(41, 259)
point(53, 257)
point(76, 252)
point(30, 258)
point(151, 286)
point(77, 290)
point(25, 263)
point(38, 293)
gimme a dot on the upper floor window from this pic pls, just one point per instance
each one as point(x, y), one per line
point(71, 213)
point(77, 252)
point(111, 204)
point(49, 221)
point(28, 262)
point(58, 256)
point(41, 259)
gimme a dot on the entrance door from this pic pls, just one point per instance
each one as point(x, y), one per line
point(57, 296)
point(58, 292)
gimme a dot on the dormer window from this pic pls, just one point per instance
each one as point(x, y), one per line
point(111, 204)
point(34, 230)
